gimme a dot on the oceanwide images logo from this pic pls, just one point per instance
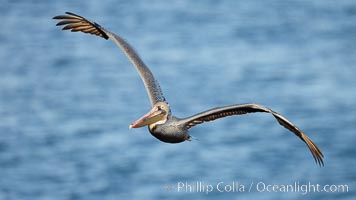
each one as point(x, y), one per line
point(236, 187)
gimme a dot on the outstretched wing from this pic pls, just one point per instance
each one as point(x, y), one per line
point(240, 109)
point(76, 23)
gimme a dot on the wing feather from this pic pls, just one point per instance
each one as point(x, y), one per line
point(240, 109)
point(77, 23)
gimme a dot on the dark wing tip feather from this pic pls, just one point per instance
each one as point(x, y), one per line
point(314, 149)
point(70, 13)
point(76, 23)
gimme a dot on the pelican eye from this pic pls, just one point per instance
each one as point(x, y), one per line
point(162, 109)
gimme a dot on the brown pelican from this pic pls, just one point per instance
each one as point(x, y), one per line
point(161, 123)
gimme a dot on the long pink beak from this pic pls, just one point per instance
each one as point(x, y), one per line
point(150, 118)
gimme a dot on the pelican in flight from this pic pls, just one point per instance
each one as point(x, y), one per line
point(161, 123)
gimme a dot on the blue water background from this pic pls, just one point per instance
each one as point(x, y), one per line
point(66, 99)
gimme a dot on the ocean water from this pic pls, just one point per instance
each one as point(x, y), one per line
point(66, 100)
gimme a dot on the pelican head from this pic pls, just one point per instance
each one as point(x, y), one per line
point(157, 115)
